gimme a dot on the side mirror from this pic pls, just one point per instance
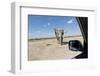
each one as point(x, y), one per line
point(75, 45)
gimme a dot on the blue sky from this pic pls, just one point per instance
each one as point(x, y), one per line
point(40, 26)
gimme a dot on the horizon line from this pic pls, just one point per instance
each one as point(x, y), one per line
point(54, 37)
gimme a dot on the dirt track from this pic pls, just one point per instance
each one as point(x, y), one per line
point(49, 49)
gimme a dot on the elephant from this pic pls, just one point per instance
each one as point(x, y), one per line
point(59, 35)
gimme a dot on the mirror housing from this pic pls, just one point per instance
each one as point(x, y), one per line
point(75, 45)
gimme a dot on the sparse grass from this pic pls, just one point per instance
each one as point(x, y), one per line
point(38, 39)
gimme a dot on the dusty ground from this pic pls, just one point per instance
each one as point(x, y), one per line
point(49, 49)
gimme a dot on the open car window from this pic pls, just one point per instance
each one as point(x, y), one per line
point(56, 37)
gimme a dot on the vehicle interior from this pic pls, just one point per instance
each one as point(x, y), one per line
point(75, 45)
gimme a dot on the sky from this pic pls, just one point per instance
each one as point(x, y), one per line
point(41, 26)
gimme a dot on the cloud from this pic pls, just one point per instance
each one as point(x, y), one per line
point(48, 23)
point(70, 21)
